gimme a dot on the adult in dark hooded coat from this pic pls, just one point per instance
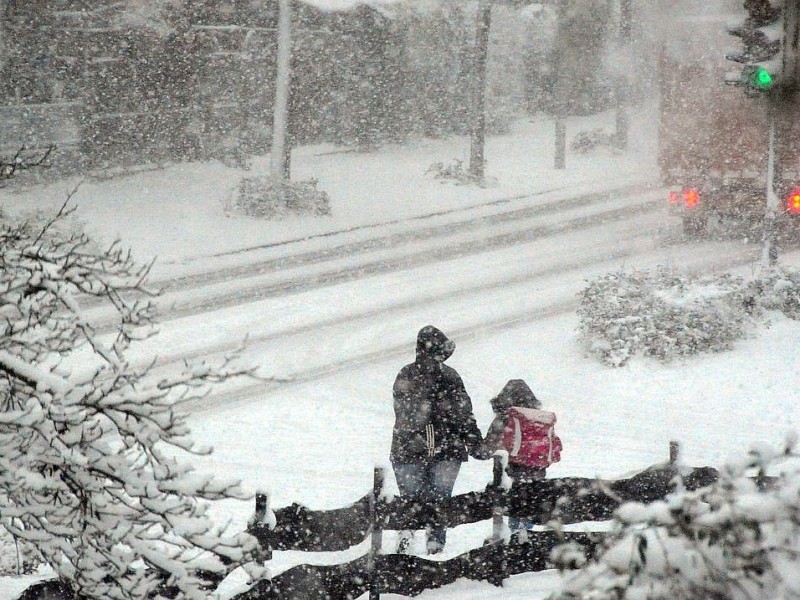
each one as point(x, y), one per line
point(434, 430)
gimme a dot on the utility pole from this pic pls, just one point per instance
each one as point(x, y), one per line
point(280, 153)
point(478, 125)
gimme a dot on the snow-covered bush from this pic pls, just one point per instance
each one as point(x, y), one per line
point(456, 172)
point(265, 197)
point(92, 448)
point(663, 314)
point(732, 540)
point(778, 288)
point(585, 142)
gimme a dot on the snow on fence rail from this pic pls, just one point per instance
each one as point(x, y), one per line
point(565, 500)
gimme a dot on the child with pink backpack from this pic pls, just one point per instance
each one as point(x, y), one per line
point(527, 433)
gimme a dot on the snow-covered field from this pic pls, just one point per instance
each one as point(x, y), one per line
point(316, 441)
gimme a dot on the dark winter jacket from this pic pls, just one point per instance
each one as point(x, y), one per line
point(433, 413)
point(515, 393)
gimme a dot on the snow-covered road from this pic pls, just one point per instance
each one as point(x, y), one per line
point(324, 316)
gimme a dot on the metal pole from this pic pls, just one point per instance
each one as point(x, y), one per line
point(278, 159)
point(478, 125)
point(770, 251)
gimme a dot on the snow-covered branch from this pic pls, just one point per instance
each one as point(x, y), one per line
point(91, 449)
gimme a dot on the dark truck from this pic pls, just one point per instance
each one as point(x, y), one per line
point(714, 138)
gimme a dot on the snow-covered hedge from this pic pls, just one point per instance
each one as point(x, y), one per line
point(457, 172)
point(663, 314)
point(666, 314)
point(586, 142)
point(266, 197)
point(731, 540)
point(778, 289)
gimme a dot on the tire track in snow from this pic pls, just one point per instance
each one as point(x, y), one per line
point(383, 266)
point(381, 243)
point(396, 240)
point(415, 303)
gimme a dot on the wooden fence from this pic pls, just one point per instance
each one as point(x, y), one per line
point(565, 500)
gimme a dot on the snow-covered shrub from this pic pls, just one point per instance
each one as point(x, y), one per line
point(92, 448)
point(663, 314)
point(733, 540)
point(456, 172)
point(778, 288)
point(263, 196)
point(585, 142)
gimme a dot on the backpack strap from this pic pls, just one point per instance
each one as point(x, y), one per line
point(514, 450)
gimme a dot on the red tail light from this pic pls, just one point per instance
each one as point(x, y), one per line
point(691, 197)
point(674, 197)
point(793, 201)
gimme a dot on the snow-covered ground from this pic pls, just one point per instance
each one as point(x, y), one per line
point(316, 441)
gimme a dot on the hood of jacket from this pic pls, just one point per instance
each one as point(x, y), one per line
point(432, 344)
point(515, 393)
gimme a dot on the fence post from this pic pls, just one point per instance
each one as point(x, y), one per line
point(497, 509)
point(259, 520)
point(674, 448)
point(376, 529)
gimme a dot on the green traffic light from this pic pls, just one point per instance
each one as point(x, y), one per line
point(761, 78)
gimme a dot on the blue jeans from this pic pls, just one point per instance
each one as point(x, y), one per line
point(429, 483)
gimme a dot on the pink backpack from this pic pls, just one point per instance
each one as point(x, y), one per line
point(530, 437)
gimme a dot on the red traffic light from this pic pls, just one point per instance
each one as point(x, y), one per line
point(691, 197)
point(793, 201)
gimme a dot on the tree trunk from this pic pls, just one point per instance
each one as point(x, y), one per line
point(280, 148)
point(478, 128)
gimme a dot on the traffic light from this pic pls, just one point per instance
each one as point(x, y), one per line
point(768, 63)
